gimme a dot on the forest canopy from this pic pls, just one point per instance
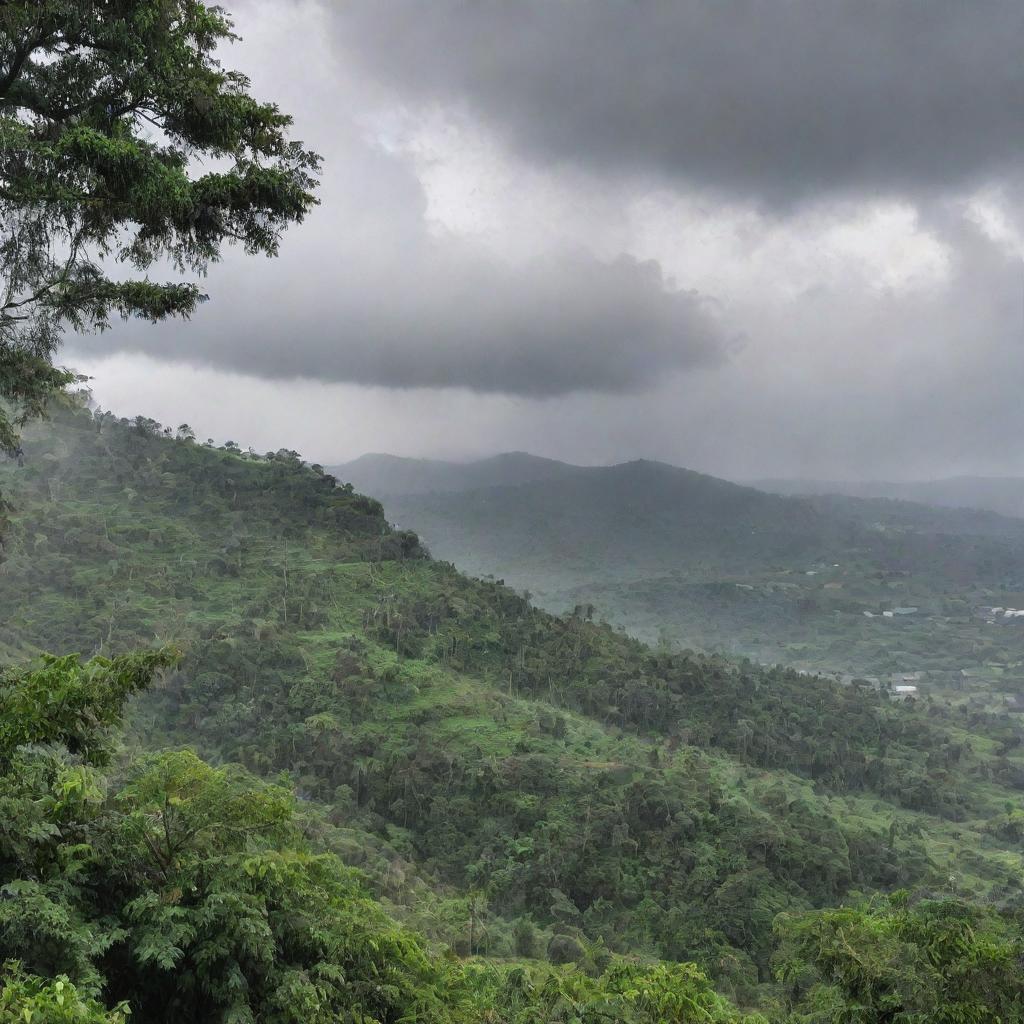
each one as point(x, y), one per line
point(513, 789)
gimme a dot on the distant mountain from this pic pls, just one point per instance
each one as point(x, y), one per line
point(668, 552)
point(1004, 495)
point(521, 510)
point(383, 475)
point(634, 518)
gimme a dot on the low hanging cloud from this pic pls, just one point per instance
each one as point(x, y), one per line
point(371, 291)
point(453, 319)
point(776, 102)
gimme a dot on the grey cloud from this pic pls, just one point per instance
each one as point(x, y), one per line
point(553, 327)
point(912, 385)
point(366, 292)
point(450, 321)
point(833, 385)
point(850, 378)
point(780, 101)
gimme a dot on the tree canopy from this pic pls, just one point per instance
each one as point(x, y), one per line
point(179, 891)
point(108, 110)
point(903, 961)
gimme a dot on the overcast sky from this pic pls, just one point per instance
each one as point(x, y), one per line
point(754, 238)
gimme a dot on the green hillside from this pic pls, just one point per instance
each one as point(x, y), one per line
point(512, 784)
point(682, 557)
point(160, 888)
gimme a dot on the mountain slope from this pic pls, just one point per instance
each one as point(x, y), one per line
point(617, 517)
point(384, 475)
point(564, 781)
point(1003, 495)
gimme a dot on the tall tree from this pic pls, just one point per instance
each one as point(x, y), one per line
point(108, 110)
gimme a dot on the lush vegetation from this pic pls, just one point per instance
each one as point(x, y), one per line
point(171, 890)
point(356, 786)
point(510, 785)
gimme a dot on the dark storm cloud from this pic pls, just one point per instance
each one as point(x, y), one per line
point(772, 100)
point(469, 146)
point(366, 293)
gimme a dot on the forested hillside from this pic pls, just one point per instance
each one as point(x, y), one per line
point(509, 741)
point(512, 784)
point(678, 556)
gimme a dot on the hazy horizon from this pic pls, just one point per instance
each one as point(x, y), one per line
point(749, 482)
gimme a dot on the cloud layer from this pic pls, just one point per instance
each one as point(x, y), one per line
point(780, 102)
point(760, 239)
point(371, 291)
point(452, 321)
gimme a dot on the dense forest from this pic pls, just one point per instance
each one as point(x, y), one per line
point(513, 786)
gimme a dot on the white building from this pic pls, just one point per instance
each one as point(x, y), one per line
point(904, 691)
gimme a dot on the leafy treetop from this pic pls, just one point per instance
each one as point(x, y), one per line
point(106, 109)
point(72, 704)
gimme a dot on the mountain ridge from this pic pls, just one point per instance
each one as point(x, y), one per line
point(383, 474)
point(1002, 495)
point(388, 475)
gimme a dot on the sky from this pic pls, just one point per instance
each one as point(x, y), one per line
point(755, 239)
